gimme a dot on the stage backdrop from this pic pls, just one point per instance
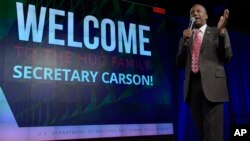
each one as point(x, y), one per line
point(74, 69)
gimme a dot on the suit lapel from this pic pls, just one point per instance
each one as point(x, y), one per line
point(207, 35)
point(205, 40)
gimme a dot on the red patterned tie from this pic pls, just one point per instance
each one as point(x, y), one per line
point(196, 51)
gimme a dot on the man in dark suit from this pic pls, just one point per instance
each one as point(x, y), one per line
point(205, 87)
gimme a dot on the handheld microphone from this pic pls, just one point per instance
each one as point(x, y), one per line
point(190, 26)
point(191, 23)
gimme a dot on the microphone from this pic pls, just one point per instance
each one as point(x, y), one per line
point(191, 23)
point(190, 26)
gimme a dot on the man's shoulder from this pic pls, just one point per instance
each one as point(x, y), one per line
point(211, 28)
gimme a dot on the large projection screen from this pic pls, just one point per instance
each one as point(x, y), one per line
point(76, 69)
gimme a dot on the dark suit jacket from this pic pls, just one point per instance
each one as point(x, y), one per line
point(215, 51)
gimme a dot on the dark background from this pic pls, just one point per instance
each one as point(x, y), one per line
point(237, 110)
point(239, 13)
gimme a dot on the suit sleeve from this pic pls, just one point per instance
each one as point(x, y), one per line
point(224, 48)
point(181, 56)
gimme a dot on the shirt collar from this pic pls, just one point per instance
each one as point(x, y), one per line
point(203, 28)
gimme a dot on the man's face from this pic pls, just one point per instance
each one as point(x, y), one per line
point(200, 15)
